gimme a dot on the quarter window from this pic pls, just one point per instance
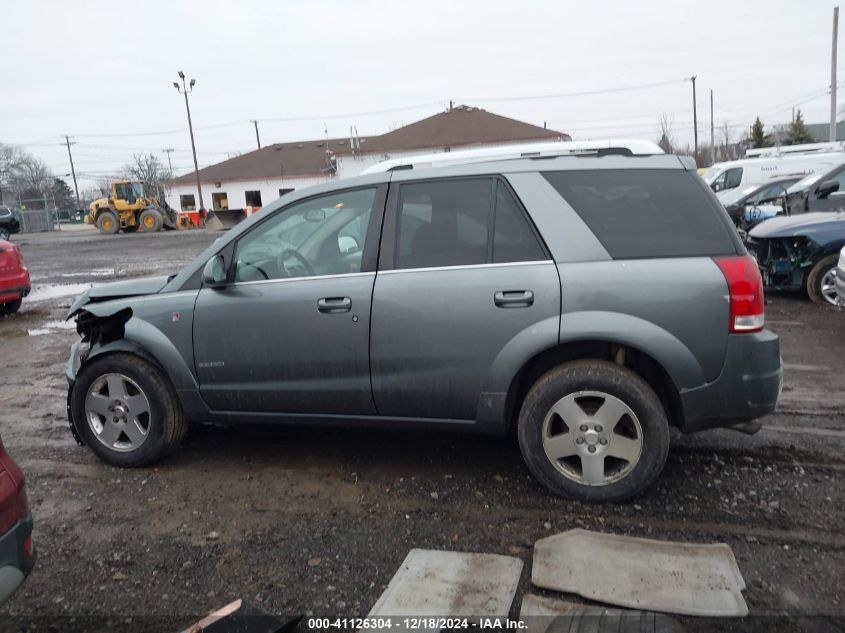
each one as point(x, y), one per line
point(319, 236)
point(644, 213)
point(444, 223)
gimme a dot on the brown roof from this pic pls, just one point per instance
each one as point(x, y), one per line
point(458, 127)
point(303, 158)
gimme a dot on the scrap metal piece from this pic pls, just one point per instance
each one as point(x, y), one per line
point(546, 615)
point(242, 617)
point(685, 578)
point(450, 585)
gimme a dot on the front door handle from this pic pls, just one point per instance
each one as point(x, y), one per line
point(513, 298)
point(331, 305)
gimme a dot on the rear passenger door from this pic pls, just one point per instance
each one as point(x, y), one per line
point(462, 272)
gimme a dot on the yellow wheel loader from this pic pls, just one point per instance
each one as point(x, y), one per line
point(129, 208)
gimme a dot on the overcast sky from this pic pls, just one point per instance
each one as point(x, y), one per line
point(103, 71)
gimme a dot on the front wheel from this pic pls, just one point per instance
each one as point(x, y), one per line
point(821, 281)
point(126, 411)
point(150, 221)
point(4, 233)
point(593, 430)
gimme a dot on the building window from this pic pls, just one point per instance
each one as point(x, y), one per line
point(253, 198)
point(220, 200)
point(187, 202)
point(284, 191)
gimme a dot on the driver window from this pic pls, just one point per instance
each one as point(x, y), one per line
point(319, 236)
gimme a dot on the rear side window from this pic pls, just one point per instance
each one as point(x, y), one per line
point(643, 213)
point(444, 223)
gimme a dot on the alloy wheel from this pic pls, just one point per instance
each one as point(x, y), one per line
point(829, 286)
point(118, 412)
point(592, 438)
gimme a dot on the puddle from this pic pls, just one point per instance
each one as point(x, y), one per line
point(45, 292)
point(99, 272)
point(51, 326)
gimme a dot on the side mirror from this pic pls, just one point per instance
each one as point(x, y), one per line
point(214, 272)
point(826, 188)
point(716, 187)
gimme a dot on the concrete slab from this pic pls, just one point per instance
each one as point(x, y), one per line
point(542, 615)
point(686, 578)
point(450, 584)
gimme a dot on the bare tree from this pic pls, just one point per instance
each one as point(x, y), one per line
point(667, 137)
point(147, 168)
point(727, 141)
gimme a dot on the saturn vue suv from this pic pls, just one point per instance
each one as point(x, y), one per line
point(588, 302)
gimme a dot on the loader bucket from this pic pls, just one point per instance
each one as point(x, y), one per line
point(226, 217)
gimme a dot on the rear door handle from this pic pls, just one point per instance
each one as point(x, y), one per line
point(331, 305)
point(513, 298)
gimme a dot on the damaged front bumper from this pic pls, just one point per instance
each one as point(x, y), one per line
point(783, 262)
point(74, 362)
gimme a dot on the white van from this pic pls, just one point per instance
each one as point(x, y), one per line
point(723, 177)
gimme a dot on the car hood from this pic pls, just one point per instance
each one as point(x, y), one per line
point(118, 289)
point(803, 224)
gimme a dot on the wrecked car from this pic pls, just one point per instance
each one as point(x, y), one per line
point(800, 252)
point(588, 302)
point(747, 206)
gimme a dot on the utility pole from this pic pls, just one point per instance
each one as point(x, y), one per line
point(72, 170)
point(712, 132)
point(694, 118)
point(185, 90)
point(833, 74)
point(257, 140)
point(169, 151)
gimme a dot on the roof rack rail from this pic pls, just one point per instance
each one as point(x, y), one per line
point(619, 147)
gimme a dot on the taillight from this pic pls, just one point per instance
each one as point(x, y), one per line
point(745, 286)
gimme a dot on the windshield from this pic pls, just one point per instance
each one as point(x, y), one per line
point(736, 195)
point(802, 184)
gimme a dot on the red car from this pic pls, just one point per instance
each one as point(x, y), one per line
point(14, 278)
point(17, 553)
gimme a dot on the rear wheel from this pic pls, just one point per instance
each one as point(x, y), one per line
point(11, 307)
point(126, 411)
point(821, 281)
point(107, 223)
point(594, 431)
point(150, 221)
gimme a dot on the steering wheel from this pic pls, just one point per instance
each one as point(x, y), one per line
point(289, 252)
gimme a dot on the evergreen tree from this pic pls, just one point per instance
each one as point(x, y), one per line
point(759, 138)
point(798, 132)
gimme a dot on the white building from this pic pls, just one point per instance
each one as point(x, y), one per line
point(259, 177)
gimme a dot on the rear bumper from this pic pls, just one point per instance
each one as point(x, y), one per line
point(748, 387)
point(15, 561)
point(15, 286)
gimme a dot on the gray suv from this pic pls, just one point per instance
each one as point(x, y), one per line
point(586, 302)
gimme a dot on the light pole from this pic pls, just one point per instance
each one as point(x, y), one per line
point(185, 90)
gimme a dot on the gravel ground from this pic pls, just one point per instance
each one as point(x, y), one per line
point(315, 520)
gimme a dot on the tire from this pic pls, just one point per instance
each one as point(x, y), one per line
point(632, 431)
point(107, 223)
point(819, 284)
point(10, 307)
point(139, 438)
point(150, 221)
point(4, 233)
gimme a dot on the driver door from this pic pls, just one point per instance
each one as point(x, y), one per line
point(289, 333)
